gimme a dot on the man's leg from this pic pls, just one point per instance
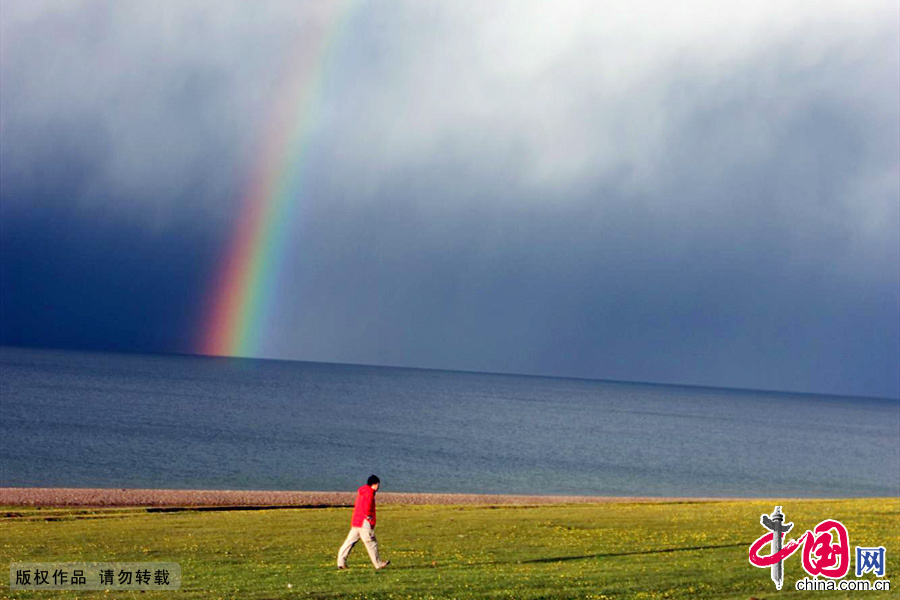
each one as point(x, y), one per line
point(348, 544)
point(368, 537)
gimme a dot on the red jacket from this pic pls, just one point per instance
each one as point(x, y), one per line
point(365, 507)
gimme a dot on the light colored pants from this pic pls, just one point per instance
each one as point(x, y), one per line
point(367, 535)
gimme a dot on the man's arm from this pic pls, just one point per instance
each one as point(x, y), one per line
point(371, 512)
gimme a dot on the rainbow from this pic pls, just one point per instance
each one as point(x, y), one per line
point(243, 288)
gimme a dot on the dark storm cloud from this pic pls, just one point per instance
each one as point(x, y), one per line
point(698, 194)
point(68, 282)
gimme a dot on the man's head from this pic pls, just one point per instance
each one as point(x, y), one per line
point(373, 482)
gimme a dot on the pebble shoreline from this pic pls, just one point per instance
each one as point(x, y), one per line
point(120, 497)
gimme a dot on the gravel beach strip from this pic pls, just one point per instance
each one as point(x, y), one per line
point(121, 497)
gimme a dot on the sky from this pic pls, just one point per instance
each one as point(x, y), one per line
point(703, 193)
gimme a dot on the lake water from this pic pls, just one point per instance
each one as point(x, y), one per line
point(80, 419)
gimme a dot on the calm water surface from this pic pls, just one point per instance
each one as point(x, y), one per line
point(81, 419)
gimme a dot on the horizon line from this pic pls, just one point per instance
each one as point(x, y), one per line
point(463, 371)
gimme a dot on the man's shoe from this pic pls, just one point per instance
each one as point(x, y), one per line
point(384, 564)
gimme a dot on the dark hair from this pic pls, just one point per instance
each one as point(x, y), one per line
point(373, 479)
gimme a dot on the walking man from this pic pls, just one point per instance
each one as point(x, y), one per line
point(362, 525)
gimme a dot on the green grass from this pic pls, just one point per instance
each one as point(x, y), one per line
point(658, 550)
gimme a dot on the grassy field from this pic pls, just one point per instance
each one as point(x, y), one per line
point(621, 550)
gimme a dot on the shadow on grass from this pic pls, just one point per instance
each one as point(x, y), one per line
point(641, 552)
point(557, 559)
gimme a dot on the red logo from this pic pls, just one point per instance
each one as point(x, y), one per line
point(824, 554)
point(821, 556)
